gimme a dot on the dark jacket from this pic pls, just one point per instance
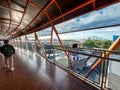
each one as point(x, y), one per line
point(7, 50)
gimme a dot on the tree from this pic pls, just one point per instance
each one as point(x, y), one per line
point(89, 43)
point(92, 43)
point(106, 44)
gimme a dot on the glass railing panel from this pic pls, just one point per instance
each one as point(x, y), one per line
point(30, 48)
point(60, 57)
point(50, 52)
point(114, 72)
point(38, 49)
point(24, 46)
point(83, 60)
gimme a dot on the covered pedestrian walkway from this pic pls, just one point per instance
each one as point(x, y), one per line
point(35, 73)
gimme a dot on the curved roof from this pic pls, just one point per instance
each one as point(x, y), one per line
point(19, 17)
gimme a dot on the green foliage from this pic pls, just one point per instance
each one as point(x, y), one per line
point(92, 43)
point(107, 43)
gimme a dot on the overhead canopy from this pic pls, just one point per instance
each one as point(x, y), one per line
point(20, 17)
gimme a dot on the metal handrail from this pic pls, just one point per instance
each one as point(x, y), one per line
point(112, 59)
point(72, 50)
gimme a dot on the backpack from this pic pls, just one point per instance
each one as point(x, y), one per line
point(7, 50)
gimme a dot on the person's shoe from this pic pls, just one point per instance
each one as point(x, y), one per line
point(6, 66)
point(12, 69)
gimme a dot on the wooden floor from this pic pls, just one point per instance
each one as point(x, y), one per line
point(34, 73)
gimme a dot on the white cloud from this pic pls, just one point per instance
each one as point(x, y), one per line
point(106, 33)
point(108, 13)
point(104, 14)
point(89, 19)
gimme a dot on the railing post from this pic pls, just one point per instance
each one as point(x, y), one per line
point(54, 55)
point(106, 71)
point(15, 42)
point(20, 43)
point(69, 59)
point(26, 43)
point(103, 70)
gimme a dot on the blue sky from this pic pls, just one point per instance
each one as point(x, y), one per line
point(107, 16)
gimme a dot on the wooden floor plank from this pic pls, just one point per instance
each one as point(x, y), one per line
point(34, 73)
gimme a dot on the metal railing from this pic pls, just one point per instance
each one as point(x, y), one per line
point(80, 61)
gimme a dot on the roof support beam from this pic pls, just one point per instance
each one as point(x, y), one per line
point(94, 4)
point(40, 12)
point(53, 28)
point(73, 10)
point(59, 9)
point(10, 14)
point(39, 43)
point(26, 7)
point(65, 14)
point(28, 31)
point(51, 21)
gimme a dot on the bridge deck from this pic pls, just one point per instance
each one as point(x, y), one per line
point(34, 73)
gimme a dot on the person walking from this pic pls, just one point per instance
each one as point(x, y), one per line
point(8, 51)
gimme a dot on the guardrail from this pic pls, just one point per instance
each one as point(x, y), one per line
point(81, 62)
